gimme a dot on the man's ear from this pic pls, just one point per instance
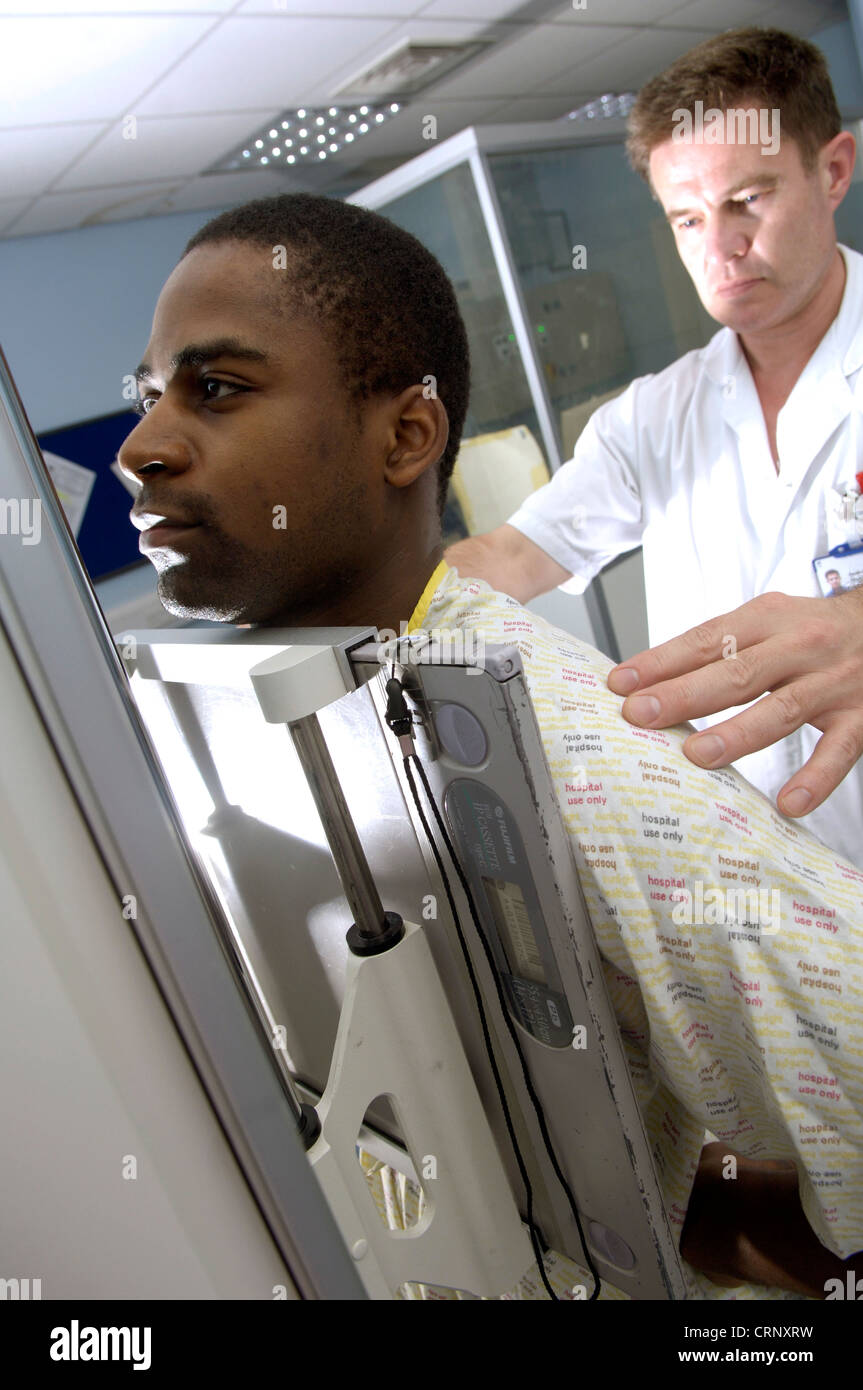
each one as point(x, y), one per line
point(837, 163)
point(419, 432)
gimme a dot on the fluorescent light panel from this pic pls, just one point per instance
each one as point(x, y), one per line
point(307, 135)
point(609, 105)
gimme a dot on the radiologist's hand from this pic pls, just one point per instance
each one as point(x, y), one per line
point(807, 653)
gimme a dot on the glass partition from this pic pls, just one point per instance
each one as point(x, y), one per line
point(606, 295)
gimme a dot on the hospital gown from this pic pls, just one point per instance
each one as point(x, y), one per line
point(741, 1013)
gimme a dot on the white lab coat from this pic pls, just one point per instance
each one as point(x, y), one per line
point(681, 464)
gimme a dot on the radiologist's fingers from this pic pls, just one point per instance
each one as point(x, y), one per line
point(837, 751)
point(719, 639)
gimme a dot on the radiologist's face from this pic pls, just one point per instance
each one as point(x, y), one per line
point(754, 230)
point(255, 467)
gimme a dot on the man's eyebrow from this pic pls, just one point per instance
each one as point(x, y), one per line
point(761, 181)
point(196, 354)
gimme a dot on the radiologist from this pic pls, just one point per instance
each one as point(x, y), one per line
point(735, 467)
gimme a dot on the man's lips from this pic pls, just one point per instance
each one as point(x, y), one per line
point(734, 287)
point(166, 534)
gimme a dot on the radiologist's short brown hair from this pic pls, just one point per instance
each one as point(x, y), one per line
point(764, 67)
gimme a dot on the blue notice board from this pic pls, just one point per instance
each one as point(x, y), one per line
point(107, 539)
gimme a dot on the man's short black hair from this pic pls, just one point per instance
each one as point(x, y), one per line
point(383, 300)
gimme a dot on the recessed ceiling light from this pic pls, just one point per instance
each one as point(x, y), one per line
point(331, 127)
point(610, 105)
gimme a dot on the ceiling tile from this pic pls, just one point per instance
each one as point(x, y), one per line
point(218, 191)
point(489, 10)
point(803, 16)
point(705, 14)
point(631, 62)
point(344, 9)
point(56, 212)
point(453, 116)
point(261, 62)
point(520, 66)
point(543, 108)
point(67, 8)
point(170, 147)
point(619, 11)
point(10, 208)
point(32, 157)
point(85, 68)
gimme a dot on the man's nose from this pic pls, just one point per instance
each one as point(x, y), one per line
point(151, 446)
point(724, 241)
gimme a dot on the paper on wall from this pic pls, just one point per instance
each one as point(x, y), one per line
point(494, 473)
point(74, 483)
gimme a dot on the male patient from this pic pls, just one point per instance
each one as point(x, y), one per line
point(302, 401)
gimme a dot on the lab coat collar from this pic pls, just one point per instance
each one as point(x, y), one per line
point(726, 365)
point(839, 353)
point(848, 323)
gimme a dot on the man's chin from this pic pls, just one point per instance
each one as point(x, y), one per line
point(748, 312)
point(182, 601)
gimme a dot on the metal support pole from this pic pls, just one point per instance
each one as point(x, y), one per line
point(341, 833)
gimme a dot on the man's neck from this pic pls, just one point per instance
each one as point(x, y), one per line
point(385, 598)
point(777, 356)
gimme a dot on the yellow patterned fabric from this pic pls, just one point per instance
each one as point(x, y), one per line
point(732, 939)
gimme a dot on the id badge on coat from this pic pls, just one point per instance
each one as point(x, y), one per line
point(840, 570)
